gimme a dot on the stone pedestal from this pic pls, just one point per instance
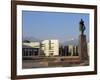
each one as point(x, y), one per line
point(83, 48)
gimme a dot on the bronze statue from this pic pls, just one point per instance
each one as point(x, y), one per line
point(82, 27)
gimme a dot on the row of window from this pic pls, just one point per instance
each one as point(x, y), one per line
point(68, 52)
point(62, 52)
point(30, 51)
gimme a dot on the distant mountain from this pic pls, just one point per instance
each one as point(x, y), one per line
point(71, 42)
point(31, 39)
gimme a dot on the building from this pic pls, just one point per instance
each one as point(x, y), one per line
point(29, 51)
point(50, 47)
point(30, 48)
point(75, 51)
point(68, 50)
point(72, 50)
point(63, 51)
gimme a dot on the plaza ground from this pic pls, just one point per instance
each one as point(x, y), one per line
point(43, 62)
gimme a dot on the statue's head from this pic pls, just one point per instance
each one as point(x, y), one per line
point(81, 22)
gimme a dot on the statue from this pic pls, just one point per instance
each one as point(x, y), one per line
point(82, 47)
point(82, 27)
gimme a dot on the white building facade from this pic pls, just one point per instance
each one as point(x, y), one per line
point(70, 50)
point(73, 50)
point(50, 47)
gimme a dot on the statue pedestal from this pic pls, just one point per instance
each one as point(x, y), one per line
point(83, 48)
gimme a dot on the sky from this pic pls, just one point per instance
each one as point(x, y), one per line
point(53, 25)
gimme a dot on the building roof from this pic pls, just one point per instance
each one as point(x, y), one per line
point(26, 46)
